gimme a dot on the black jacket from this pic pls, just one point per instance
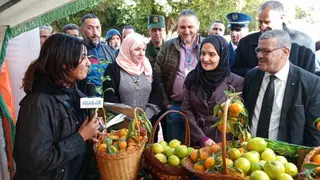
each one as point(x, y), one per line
point(113, 71)
point(302, 52)
point(48, 146)
point(300, 105)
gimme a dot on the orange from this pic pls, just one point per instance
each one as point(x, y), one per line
point(123, 144)
point(248, 137)
point(204, 155)
point(241, 151)
point(318, 126)
point(235, 109)
point(215, 148)
point(229, 162)
point(316, 159)
point(194, 155)
point(220, 114)
point(141, 138)
point(220, 127)
point(112, 150)
point(102, 147)
point(198, 167)
point(209, 162)
point(132, 143)
point(318, 170)
point(123, 132)
point(114, 137)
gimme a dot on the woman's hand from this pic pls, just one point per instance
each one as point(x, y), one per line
point(90, 128)
point(209, 142)
point(99, 136)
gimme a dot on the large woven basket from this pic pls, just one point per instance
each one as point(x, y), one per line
point(122, 166)
point(225, 175)
point(164, 171)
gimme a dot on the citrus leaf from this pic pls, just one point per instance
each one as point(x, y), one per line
point(216, 109)
point(310, 166)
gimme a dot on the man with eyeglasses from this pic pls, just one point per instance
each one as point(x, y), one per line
point(282, 99)
point(217, 27)
point(271, 16)
point(238, 24)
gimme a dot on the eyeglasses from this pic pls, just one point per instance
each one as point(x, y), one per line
point(266, 52)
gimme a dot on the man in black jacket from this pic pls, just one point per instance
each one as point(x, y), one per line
point(271, 16)
point(282, 99)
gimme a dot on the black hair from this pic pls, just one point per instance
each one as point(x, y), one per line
point(70, 27)
point(59, 55)
point(127, 27)
point(88, 16)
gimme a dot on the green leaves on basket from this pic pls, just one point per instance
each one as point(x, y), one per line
point(286, 149)
point(310, 166)
point(310, 171)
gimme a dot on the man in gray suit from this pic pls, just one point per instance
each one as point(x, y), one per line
point(283, 100)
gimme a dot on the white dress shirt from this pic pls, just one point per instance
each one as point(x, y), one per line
point(234, 47)
point(280, 86)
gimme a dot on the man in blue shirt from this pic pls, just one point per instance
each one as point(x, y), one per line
point(99, 53)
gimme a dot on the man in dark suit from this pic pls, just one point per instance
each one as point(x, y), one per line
point(238, 24)
point(271, 16)
point(283, 100)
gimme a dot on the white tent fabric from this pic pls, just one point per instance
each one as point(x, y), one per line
point(26, 10)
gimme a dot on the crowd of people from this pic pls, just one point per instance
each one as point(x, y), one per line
point(275, 69)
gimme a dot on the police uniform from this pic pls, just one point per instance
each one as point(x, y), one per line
point(154, 21)
point(236, 22)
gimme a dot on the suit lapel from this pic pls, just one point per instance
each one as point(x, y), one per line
point(254, 92)
point(287, 99)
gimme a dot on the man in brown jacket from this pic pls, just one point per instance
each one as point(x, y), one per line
point(177, 57)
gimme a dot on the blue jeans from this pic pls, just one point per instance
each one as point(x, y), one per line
point(175, 124)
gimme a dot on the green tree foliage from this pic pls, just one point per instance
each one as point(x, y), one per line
point(115, 14)
point(301, 13)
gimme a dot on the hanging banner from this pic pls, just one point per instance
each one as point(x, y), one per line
point(21, 51)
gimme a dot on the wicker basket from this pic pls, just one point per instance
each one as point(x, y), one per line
point(308, 160)
point(165, 171)
point(123, 166)
point(225, 175)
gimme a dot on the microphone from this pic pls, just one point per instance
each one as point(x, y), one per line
point(91, 103)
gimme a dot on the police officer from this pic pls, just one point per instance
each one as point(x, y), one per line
point(156, 27)
point(238, 24)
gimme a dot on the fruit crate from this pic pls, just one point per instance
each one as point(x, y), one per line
point(158, 169)
point(294, 154)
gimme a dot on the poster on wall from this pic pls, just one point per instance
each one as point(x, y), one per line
point(21, 51)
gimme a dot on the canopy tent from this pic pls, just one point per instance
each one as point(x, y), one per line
point(16, 17)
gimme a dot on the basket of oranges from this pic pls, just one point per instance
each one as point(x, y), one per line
point(119, 155)
point(311, 164)
point(205, 164)
point(165, 161)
